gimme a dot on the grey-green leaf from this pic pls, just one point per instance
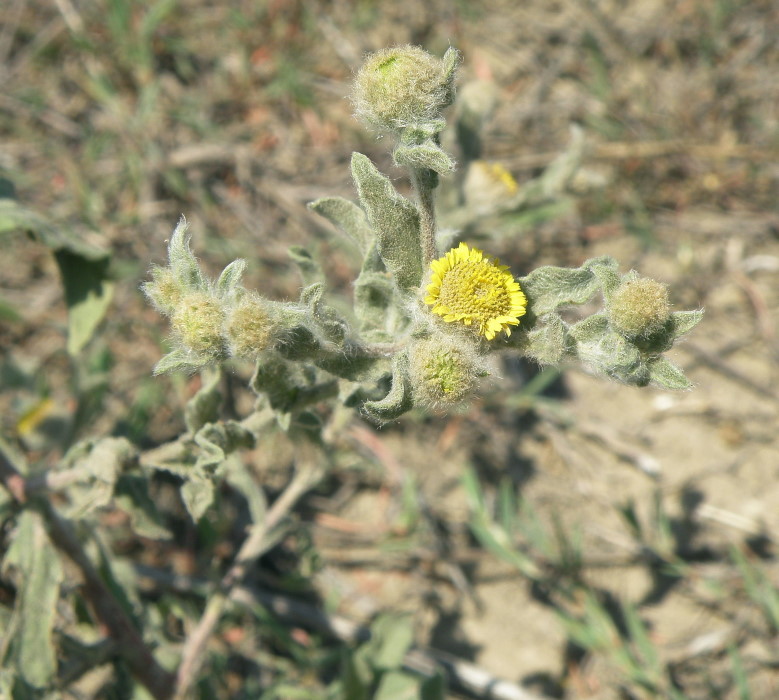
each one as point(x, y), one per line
point(394, 219)
point(183, 263)
point(548, 288)
point(310, 269)
point(230, 279)
point(88, 293)
point(41, 572)
point(198, 495)
point(348, 217)
point(682, 322)
point(399, 398)
point(179, 360)
point(391, 637)
point(667, 375)
point(426, 155)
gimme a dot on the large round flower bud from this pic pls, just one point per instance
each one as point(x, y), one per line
point(639, 307)
point(197, 321)
point(403, 86)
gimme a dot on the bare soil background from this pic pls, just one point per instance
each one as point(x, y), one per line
point(237, 116)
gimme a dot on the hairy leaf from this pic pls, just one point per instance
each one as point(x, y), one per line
point(394, 219)
point(348, 217)
point(41, 573)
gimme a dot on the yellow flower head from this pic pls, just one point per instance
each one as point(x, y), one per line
point(475, 290)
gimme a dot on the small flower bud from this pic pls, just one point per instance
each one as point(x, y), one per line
point(197, 321)
point(402, 86)
point(249, 328)
point(442, 372)
point(639, 307)
point(164, 291)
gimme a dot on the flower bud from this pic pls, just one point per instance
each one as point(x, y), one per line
point(639, 307)
point(164, 291)
point(249, 328)
point(197, 321)
point(402, 86)
point(442, 371)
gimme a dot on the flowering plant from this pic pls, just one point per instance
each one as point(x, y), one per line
point(424, 323)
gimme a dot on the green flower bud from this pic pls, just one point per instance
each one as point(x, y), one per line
point(250, 329)
point(164, 291)
point(639, 307)
point(443, 372)
point(197, 321)
point(403, 86)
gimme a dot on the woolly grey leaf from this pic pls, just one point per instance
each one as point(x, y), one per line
point(667, 375)
point(394, 219)
point(348, 217)
point(41, 572)
point(426, 155)
point(548, 288)
point(198, 495)
point(399, 398)
point(682, 322)
point(310, 269)
point(228, 281)
point(179, 360)
point(183, 263)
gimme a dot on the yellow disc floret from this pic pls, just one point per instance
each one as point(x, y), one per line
point(472, 289)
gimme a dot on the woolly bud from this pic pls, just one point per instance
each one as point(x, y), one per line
point(639, 307)
point(197, 321)
point(164, 291)
point(249, 328)
point(403, 86)
point(443, 372)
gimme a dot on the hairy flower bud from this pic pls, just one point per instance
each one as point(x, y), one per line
point(249, 328)
point(402, 86)
point(164, 291)
point(443, 372)
point(639, 307)
point(197, 321)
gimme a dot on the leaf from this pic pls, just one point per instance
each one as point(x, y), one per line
point(426, 155)
point(179, 360)
point(667, 375)
point(230, 279)
point(100, 463)
point(391, 637)
point(397, 685)
point(348, 217)
point(88, 294)
point(682, 322)
point(204, 406)
point(41, 573)
point(198, 495)
point(394, 219)
point(132, 496)
point(548, 288)
point(399, 398)
point(309, 268)
point(183, 263)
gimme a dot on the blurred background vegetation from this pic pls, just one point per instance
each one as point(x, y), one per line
point(561, 537)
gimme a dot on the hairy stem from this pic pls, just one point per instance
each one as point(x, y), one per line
point(130, 644)
point(260, 539)
point(424, 182)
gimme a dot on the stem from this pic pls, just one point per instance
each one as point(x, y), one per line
point(424, 182)
point(256, 544)
point(111, 615)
